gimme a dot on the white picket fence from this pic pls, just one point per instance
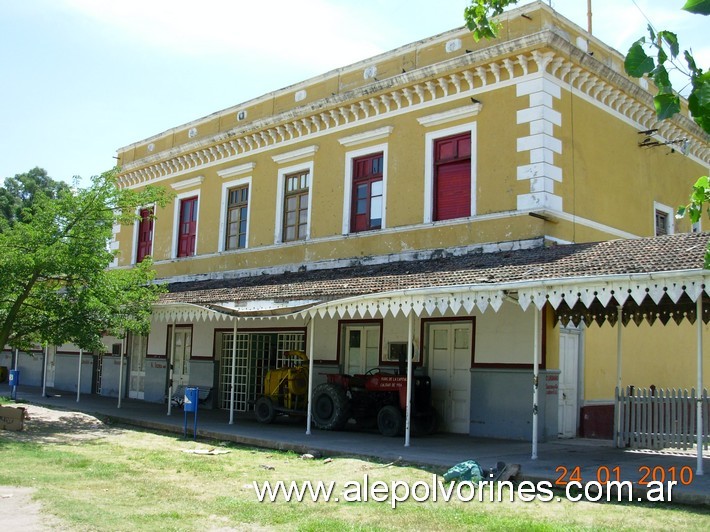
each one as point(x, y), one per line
point(657, 419)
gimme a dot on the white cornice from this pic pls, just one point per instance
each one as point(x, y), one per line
point(454, 79)
point(236, 170)
point(188, 183)
point(465, 111)
point(367, 136)
point(294, 155)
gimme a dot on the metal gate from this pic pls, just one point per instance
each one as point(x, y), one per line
point(256, 353)
point(656, 419)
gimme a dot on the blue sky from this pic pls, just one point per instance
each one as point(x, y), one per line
point(82, 78)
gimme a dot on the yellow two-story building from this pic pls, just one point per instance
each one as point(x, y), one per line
point(438, 198)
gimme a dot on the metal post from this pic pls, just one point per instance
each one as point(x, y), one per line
point(78, 383)
point(17, 358)
point(410, 355)
point(589, 16)
point(232, 391)
point(44, 374)
point(311, 328)
point(171, 357)
point(699, 395)
point(536, 379)
point(120, 370)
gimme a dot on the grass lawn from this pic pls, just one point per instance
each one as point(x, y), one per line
point(121, 479)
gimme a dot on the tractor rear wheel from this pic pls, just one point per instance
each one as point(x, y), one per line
point(390, 421)
point(331, 409)
point(264, 410)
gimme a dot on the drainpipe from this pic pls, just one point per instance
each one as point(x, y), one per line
point(410, 352)
point(234, 371)
point(699, 422)
point(536, 379)
point(311, 328)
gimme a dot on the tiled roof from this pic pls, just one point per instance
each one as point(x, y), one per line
point(617, 257)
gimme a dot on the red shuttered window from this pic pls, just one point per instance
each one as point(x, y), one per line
point(452, 177)
point(187, 230)
point(145, 234)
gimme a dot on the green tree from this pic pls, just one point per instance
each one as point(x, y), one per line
point(55, 285)
point(654, 57)
point(19, 192)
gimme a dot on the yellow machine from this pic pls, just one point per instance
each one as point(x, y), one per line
point(285, 391)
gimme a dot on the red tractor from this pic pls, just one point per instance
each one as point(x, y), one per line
point(373, 398)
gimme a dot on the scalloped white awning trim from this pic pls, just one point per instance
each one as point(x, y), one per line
point(427, 301)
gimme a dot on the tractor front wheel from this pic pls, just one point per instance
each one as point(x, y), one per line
point(390, 421)
point(264, 410)
point(330, 408)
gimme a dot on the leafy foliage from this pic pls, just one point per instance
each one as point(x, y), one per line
point(17, 196)
point(54, 283)
point(478, 17)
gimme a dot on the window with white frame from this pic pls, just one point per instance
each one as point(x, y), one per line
point(293, 213)
point(144, 234)
point(450, 173)
point(663, 219)
point(234, 218)
point(364, 208)
point(186, 224)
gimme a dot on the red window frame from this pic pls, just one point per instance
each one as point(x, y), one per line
point(452, 177)
point(145, 234)
point(367, 193)
point(187, 227)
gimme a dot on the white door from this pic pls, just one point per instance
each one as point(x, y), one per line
point(450, 371)
point(569, 376)
point(181, 358)
point(362, 348)
point(139, 348)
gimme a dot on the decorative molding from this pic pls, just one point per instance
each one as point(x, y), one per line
point(236, 170)
point(465, 111)
point(188, 183)
point(453, 79)
point(294, 155)
point(367, 136)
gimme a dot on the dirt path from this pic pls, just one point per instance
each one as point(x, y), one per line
point(18, 509)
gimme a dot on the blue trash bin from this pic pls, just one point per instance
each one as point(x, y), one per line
point(192, 397)
point(14, 382)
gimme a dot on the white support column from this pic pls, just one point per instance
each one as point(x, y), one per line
point(309, 418)
point(232, 391)
point(617, 412)
point(699, 394)
point(78, 381)
point(410, 355)
point(44, 373)
point(536, 379)
point(620, 326)
point(171, 357)
point(124, 343)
